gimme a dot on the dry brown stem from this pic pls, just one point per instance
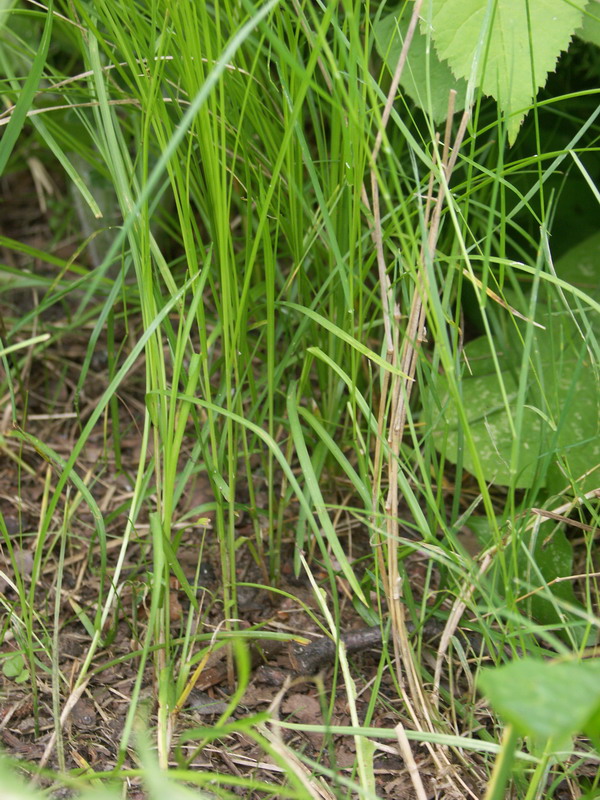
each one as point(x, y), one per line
point(394, 406)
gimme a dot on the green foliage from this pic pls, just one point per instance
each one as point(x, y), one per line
point(590, 30)
point(425, 78)
point(546, 558)
point(542, 561)
point(546, 700)
point(156, 786)
point(539, 423)
point(26, 94)
point(549, 702)
point(14, 667)
point(506, 49)
point(238, 298)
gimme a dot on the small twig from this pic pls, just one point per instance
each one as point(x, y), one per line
point(542, 512)
point(310, 658)
point(560, 579)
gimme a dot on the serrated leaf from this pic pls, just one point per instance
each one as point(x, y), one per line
point(590, 30)
point(507, 48)
point(425, 79)
point(544, 699)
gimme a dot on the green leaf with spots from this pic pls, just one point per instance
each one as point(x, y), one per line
point(489, 423)
point(559, 431)
point(507, 48)
point(559, 439)
point(579, 267)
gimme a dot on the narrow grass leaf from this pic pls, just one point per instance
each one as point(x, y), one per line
point(339, 456)
point(345, 337)
point(19, 115)
point(323, 517)
point(316, 495)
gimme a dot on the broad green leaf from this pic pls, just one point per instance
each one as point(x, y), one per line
point(554, 559)
point(506, 48)
point(546, 700)
point(552, 556)
point(578, 449)
point(489, 424)
point(590, 30)
point(561, 418)
point(580, 266)
point(425, 78)
point(15, 667)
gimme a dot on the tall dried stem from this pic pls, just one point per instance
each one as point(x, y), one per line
point(394, 405)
